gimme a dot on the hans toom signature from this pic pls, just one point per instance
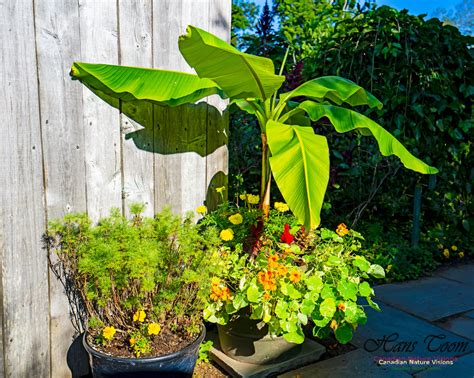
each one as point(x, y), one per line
point(431, 343)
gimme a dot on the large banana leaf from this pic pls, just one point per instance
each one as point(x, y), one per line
point(239, 75)
point(134, 83)
point(345, 120)
point(300, 166)
point(336, 89)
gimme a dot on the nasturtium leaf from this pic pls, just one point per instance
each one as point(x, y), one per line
point(320, 322)
point(345, 120)
point(347, 289)
point(361, 263)
point(314, 283)
point(364, 289)
point(327, 307)
point(350, 312)
point(281, 309)
point(239, 75)
point(303, 318)
point(327, 292)
point(293, 293)
point(320, 332)
point(253, 293)
point(372, 304)
point(239, 301)
point(343, 333)
point(296, 337)
point(361, 316)
point(376, 271)
point(307, 306)
point(288, 326)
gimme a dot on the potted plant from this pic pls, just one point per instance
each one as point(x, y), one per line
point(273, 281)
point(141, 285)
point(323, 276)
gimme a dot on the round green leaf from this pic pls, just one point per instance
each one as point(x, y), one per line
point(343, 334)
point(327, 307)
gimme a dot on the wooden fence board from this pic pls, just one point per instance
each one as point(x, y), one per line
point(24, 267)
point(135, 21)
point(58, 41)
point(103, 156)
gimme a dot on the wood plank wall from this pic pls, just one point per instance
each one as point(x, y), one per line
point(62, 149)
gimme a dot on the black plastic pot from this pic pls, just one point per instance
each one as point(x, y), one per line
point(178, 364)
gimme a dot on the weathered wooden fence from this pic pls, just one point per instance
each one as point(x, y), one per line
point(62, 149)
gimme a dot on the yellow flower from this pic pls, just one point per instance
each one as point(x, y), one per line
point(227, 234)
point(139, 316)
point(389, 268)
point(154, 329)
point(342, 230)
point(109, 333)
point(253, 199)
point(461, 254)
point(236, 219)
point(201, 209)
point(243, 196)
point(220, 189)
point(281, 207)
point(446, 253)
point(132, 341)
point(454, 248)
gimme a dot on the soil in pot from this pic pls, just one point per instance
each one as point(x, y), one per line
point(179, 363)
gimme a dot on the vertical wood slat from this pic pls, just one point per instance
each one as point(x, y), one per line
point(217, 127)
point(135, 22)
point(58, 40)
point(103, 155)
point(23, 264)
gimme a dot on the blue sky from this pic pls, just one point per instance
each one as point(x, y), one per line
point(414, 6)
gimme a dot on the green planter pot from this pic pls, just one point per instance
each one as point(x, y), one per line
point(244, 341)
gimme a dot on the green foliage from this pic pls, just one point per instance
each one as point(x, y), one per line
point(288, 281)
point(244, 17)
point(136, 276)
point(204, 350)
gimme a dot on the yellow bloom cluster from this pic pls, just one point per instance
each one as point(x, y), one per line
point(109, 333)
point(220, 189)
point(281, 207)
point(253, 199)
point(154, 329)
point(236, 219)
point(201, 209)
point(227, 234)
point(446, 253)
point(139, 316)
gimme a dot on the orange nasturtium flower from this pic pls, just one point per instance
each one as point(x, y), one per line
point(341, 306)
point(342, 230)
point(282, 270)
point(139, 316)
point(108, 333)
point(267, 280)
point(267, 296)
point(295, 276)
point(273, 261)
point(219, 291)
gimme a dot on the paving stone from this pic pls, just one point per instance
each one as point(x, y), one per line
point(463, 326)
point(469, 314)
point(354, 364)
point(429, 298)
point(310, 352)
point(462, 368)
point(463, 274)
point(393, 333)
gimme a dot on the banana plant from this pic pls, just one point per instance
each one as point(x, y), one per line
point(296, 157)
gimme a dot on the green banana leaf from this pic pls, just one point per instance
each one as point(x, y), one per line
point(239, 75)
point(336, 89)
point(300, 166)
point(133, 83)
point(345, 120)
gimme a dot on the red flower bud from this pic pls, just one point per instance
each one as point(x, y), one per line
point(286, 237)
